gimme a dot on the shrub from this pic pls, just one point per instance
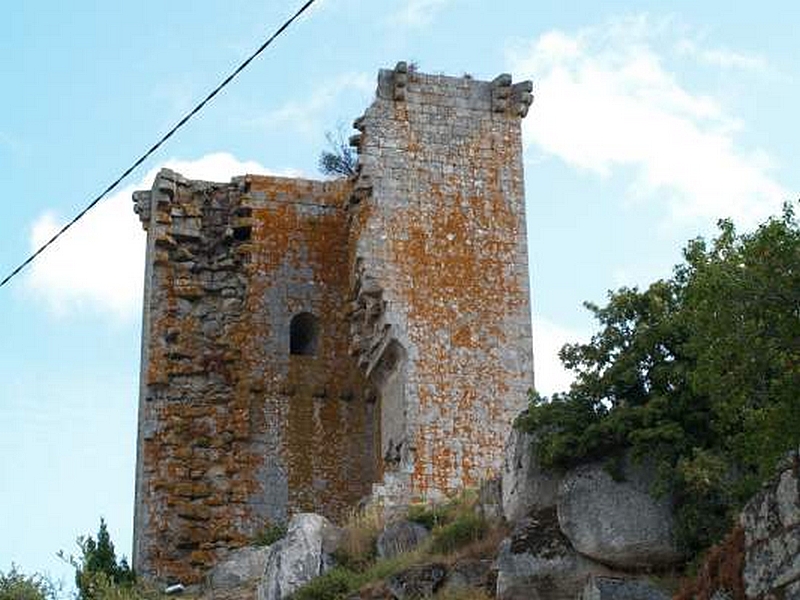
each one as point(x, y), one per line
point(269, 535)
point(340, 159)
point(98, 573)
point(463, 530)
point(15, 585)
point(357, 550)
point(99, 586)
point(334, 584)
point(429, 516)
point(699, 373)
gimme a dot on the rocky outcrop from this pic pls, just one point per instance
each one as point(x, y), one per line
point(619, 523)
point(760, 558)
point(400, 536)
point(579, 526)
point(526, 485)
point(303, 554)
point(538, 561)
point(771, 523)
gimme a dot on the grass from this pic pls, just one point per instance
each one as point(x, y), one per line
point(461, 531)
point(457, 532)
point(360, 532)
point(269, 535)
point(341, 581)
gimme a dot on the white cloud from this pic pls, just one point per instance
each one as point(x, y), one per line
point(722, 57)
point(604, 100)
point(549, 374)
point(418, 13)
point(99, 263)
point(304, 116)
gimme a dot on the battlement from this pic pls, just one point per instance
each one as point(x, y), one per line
point(403, 84)
point(309, 343)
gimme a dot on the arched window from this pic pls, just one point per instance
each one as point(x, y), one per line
point(304, 334)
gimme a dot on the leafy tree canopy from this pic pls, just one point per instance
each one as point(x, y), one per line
point(97, 569)
point(700, 372)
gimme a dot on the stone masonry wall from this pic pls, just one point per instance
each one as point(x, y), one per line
point(236, 433)
point(439, 229)
point(411, 280)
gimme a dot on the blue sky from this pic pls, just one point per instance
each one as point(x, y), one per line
point(650, 121)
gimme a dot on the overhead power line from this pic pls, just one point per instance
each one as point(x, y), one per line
point(158, 144)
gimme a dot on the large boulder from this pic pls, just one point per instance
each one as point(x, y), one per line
point(619, 523)
point(526, 486)
point(537, 562)
point(400, 536)
point(303, 554)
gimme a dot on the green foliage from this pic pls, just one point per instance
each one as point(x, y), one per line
point(340, 582)
point(455, 524)
point(269, 535)
point(334, 584)
point(98, 574)
point(429, 515)
point(100, 586)
point(698, 372)
point(355, 562)
point(464, 529)
point(15, 585)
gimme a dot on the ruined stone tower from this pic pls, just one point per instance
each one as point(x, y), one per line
point(308, 343)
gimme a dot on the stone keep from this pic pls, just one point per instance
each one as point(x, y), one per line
point(309, 343)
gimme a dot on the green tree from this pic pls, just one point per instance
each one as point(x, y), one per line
point(97, 569)
point(15, 585)
point(699, 372)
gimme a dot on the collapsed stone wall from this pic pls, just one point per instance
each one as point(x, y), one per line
point(235, 431)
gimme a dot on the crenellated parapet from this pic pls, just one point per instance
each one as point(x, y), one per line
point(507, 98)
point(500, 96)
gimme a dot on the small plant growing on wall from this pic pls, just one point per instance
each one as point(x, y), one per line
point(339, 158)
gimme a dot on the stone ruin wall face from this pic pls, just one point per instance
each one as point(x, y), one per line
point(235, 432)
point(441, 232)
point(416, 272)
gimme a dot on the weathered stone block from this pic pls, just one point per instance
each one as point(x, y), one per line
point(619, 523)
